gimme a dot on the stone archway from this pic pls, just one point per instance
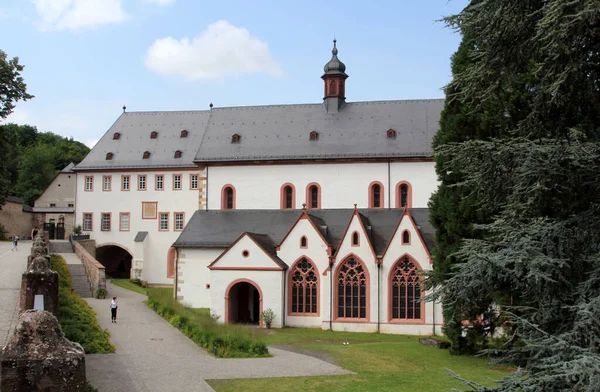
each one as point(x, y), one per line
point(243, 302)
point(115, 259)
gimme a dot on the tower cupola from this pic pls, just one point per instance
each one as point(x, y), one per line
point(335, 79)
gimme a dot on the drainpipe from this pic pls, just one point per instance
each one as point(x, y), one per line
point(433, 304)
point(283, 316)
point(206, 190)
point(378, 293)
point(389, 187)
point(176, 271)
point(330, 295)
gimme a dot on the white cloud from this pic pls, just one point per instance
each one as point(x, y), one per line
point(221, 50)
point(78, 14)
point(161, 2)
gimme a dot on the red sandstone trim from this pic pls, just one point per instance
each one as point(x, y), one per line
point(408, 195)
point(197, 182)
point(391, 320)
point(91, 221)
point(168, 219)
point(109, 221)
point(289, 284)
point(109, 183)
point(381, 195)
point(145, 177)
point(260, 298)
point(171, 255)
point(175, 220)
point(224, 197)
point(85, 184)
point(367, 291)
point(180, 181)
point(309, 198)
point(156, 188)
point(128, 220)
point(150, 202)
point(129, 183)
point(283, 198)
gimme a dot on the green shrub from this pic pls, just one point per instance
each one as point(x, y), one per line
point(231, 341)
point(76, 318)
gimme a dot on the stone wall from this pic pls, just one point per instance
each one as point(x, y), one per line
point(95, 270)
point(89, 245)
point(15, 220)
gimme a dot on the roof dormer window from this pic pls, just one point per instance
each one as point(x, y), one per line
point(146, 155)
point(153, 135)
point(116, 136)
point(235, 138)
point(177, 154)
point(109, 156)
point(184, 133)
point(391, 134)
point(314, 135)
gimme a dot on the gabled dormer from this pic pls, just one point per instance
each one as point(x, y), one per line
point(357, 239)
point(251, 252)
point(304, 237)
point(407, 239)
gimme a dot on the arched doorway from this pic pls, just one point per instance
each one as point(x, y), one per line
point(116, 261)
point(243, 302)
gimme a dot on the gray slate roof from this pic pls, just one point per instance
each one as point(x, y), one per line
point(358, 130)
point(140, 236)
point(220, 228)
point(277, 132)
point(54, 210)
point(267, 244)
point(135, 129)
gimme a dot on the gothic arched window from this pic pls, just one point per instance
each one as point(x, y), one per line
point(287, 197)
point(352, 289)
point(403, 195)
point(405, 291)
point(313, 197)
point(375, 195)
point(304, 288)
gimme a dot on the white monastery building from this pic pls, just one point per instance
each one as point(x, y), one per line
point(316, 211)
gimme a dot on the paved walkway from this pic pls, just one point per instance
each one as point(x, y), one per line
point(153, 356)
point(12, 266)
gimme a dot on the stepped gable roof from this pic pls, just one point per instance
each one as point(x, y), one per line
point(221, 228)
point(358, 130)
point(135, 128)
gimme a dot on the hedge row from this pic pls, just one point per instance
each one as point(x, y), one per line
point(229, 341)
point(76, 318)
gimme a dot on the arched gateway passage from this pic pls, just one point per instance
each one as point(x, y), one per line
point(116, 261)
point(243, 302)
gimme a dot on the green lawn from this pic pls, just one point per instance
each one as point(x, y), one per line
point(382, 363)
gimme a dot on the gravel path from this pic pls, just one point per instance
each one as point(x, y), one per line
point(153, 356)
point(12, 264)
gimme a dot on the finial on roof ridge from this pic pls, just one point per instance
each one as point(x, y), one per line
point(124, 108)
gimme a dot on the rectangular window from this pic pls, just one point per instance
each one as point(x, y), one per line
point(125, 182)
point(160, 182)
point(124, 221)
point(193, 181)
point(106, 183)
point(179, 217)
point(87, 221)
point(89, 183)
point(163, 221)
point(142, 182)
point(176, 181)
point(52, 204)
point(105, 222)
point(71, 205)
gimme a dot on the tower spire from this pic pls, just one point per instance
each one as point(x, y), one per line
point(335, 78)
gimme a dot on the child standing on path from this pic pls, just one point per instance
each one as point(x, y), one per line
point(113, 309)
point(15, 242)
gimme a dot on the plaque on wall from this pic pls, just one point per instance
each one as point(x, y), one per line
point(149, 209)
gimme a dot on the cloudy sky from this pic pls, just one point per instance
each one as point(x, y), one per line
point(85, 59)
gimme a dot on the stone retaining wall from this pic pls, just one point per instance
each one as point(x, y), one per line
point(95, 270)
point(89, 245)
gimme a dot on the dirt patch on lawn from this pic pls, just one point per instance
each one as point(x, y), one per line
point(312, 353)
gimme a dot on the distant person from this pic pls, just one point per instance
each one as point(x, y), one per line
point(15, 243)
point(113, 309)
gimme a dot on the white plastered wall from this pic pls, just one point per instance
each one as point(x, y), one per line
point(194, 276)
point(253, 269)
point(342, 184)
point(316, 250)
point(116, 201)
point(418, 252)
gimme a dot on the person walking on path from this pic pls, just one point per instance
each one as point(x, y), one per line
point(15, 243)
point(113, 309)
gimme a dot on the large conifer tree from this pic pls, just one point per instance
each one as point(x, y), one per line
point(537, 258)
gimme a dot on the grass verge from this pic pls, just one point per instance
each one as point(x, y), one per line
point(229, 341)
point(129, 285)
point(76, 318)
point(382, 363)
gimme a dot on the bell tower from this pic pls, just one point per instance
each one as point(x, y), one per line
point(334, 79)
